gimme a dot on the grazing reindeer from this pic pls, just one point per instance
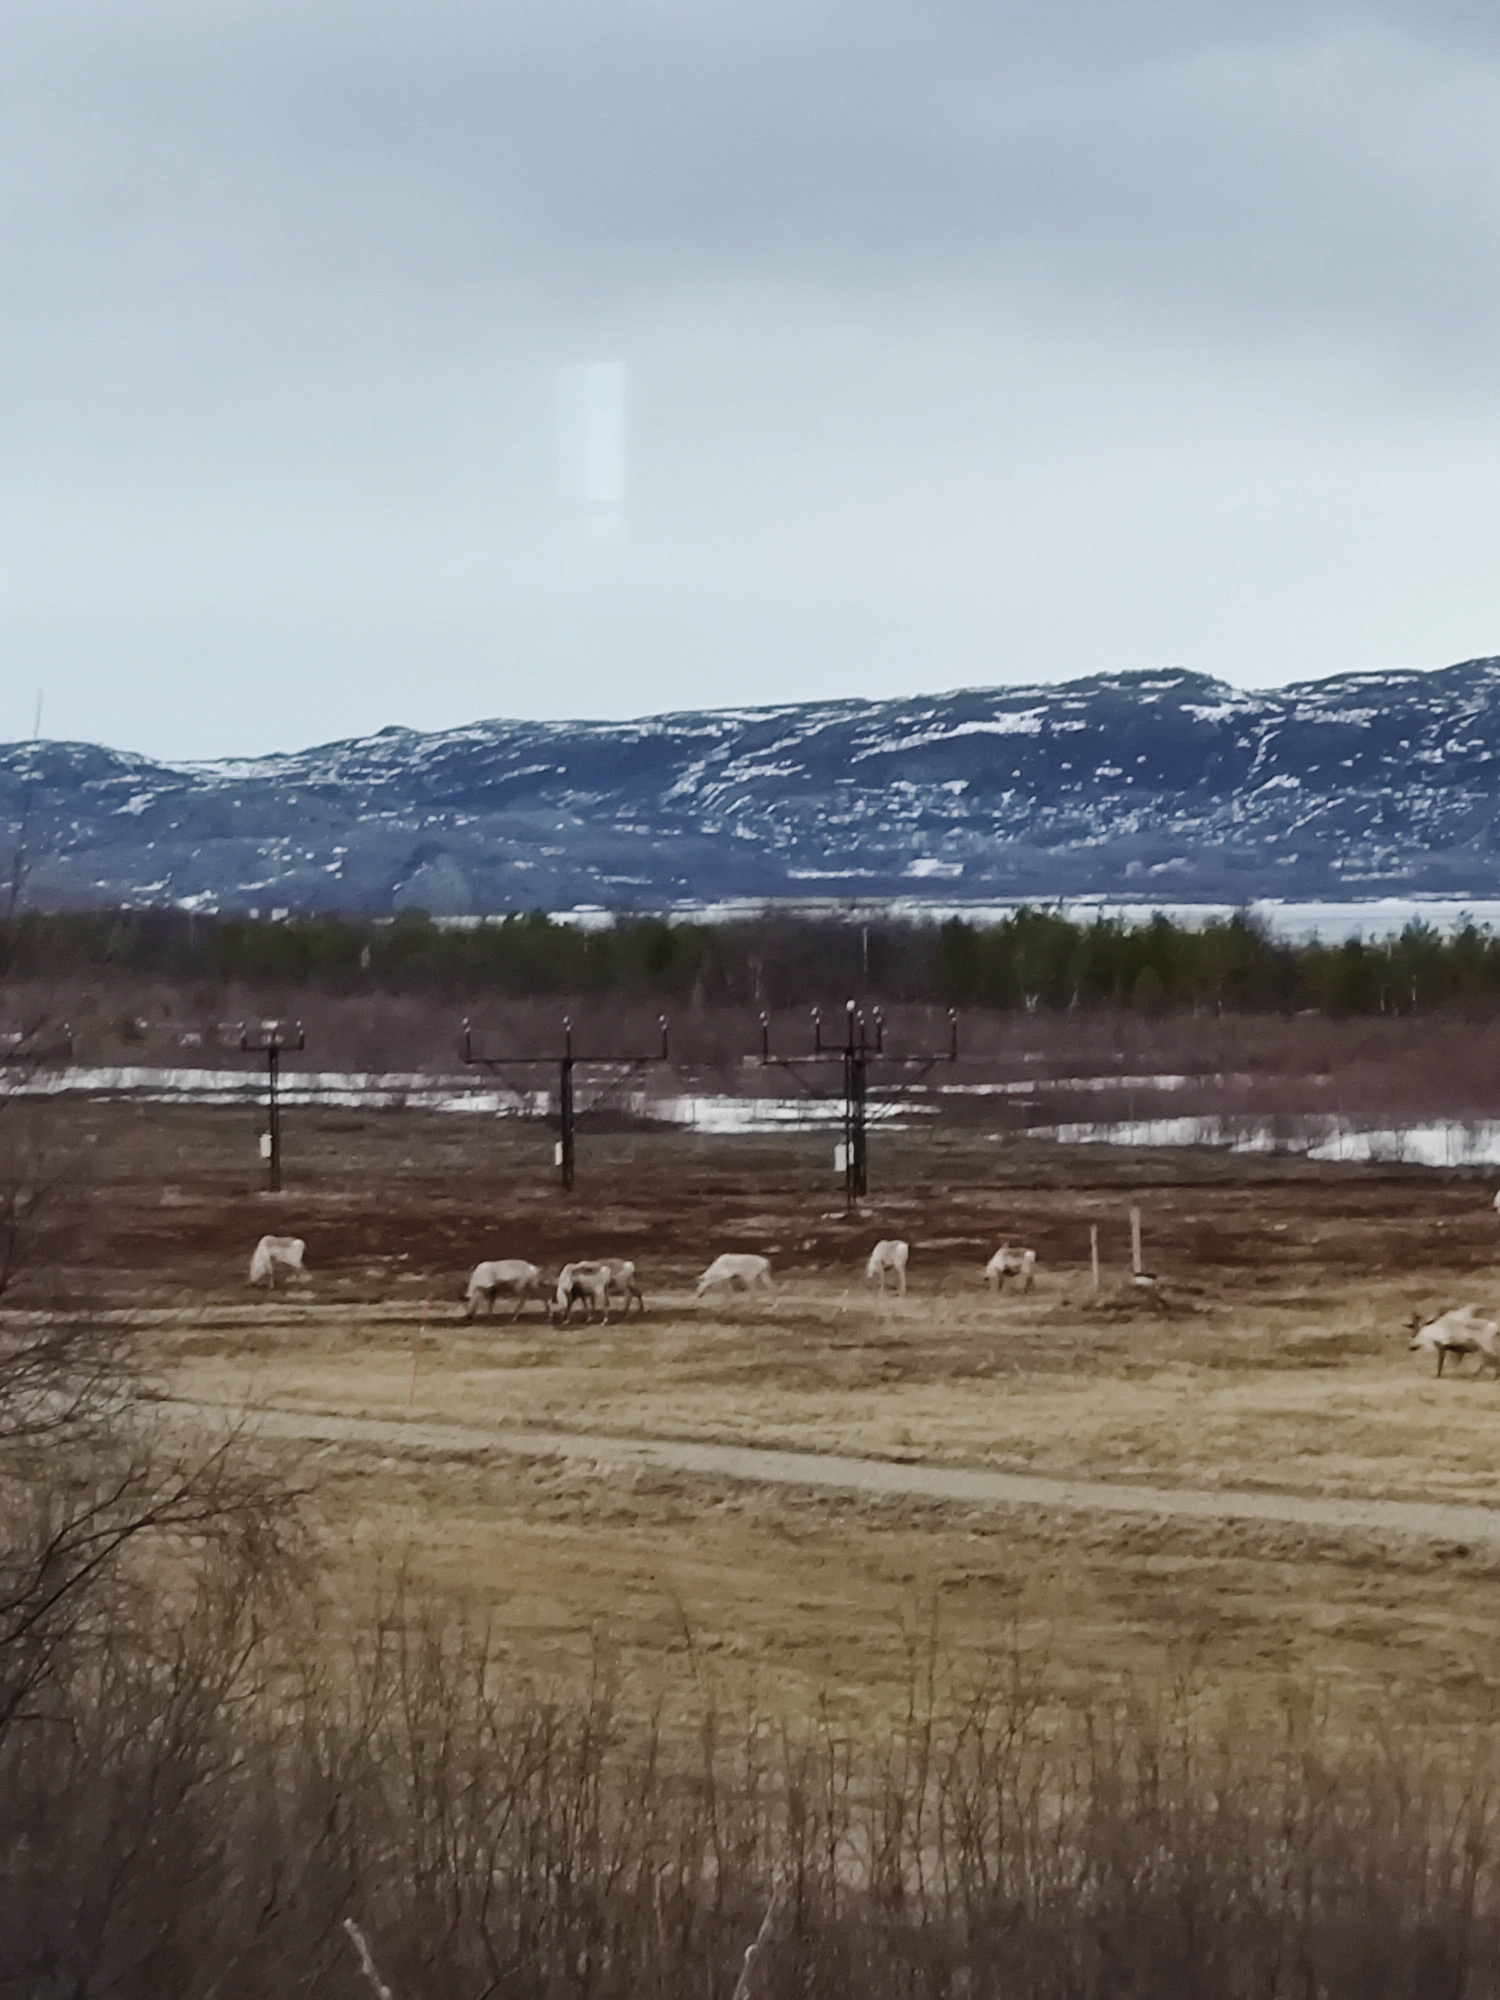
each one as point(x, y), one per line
point(587, 1284)
point(273, 1254)
point(1461, 1331)
point(736, 1271)
point(1008, 1263)
point(623, 1283)
point(890, 1258)
point(507, 1277)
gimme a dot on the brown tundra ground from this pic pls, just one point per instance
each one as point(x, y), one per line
point(1269, 1361)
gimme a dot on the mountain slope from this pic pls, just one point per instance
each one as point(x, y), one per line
point(1165, 782)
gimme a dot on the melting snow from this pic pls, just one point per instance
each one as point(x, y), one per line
point(1026, 722)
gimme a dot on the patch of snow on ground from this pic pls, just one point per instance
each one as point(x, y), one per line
point(725, 1115)
point(1452, 1142)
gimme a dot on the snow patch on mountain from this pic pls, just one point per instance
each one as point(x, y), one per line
point(1364, 784)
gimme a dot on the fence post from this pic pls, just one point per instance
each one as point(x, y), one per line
point(1136, 1265)
point(1094, 1251)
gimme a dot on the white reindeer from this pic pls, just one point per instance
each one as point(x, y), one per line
point(273, 1254)
point(585, 1283)
point(736, 1271)
point(889, 1257)
point(1463, 1330)
point(1008, 1263)
point(624, 1285)
point(507, 1277)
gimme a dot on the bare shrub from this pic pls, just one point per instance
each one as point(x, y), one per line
point(201, 1807)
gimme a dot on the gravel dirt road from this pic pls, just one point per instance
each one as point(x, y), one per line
point(876, 1477)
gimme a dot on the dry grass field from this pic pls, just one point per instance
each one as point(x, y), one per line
point(1272, 1360)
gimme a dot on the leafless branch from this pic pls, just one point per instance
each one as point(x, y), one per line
point(366, 1960)
point(744, 1985)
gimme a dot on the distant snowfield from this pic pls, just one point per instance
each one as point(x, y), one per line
point(372, 1090)
point(1294, 923)
point(1318, 1135)
point(1451, 1142)
point(778, 1114)
point(419, 1091)
point(387, 1091)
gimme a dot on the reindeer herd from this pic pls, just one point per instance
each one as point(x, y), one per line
point(598, 1285)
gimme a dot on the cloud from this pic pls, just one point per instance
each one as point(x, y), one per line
point(903, 289)
point(1278, 160)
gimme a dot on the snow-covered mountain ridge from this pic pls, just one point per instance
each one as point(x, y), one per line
point(1166, 783)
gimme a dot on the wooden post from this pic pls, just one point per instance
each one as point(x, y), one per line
point(1094, 1251)
point(1137, 1267)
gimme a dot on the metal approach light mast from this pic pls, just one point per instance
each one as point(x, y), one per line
point(272, 1041)
point(862, 1046)
point(567, 1062)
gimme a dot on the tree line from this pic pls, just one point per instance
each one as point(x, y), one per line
point(1033, 958)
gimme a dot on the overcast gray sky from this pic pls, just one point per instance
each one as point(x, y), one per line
point(962, 343)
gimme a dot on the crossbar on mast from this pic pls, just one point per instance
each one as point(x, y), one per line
point(862, 1046)
point(567, 1062)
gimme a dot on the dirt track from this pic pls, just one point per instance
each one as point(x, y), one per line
point(885, 1478)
